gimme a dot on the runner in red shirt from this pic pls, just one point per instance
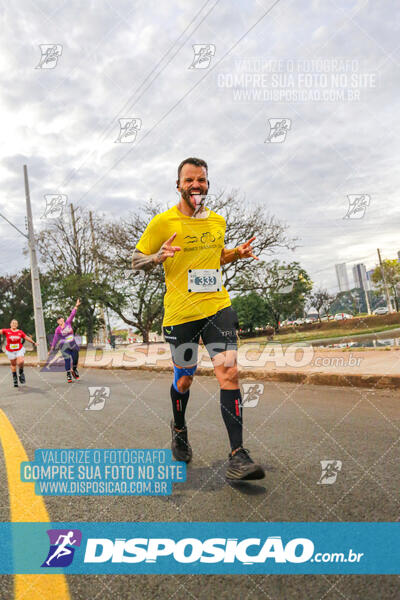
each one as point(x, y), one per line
point(15, 350)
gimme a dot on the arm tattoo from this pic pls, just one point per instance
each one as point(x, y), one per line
point(143, 262)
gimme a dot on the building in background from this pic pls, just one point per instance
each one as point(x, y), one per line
point(342, 277)
point(369, 277)
point(360, 277)
point(372, 286)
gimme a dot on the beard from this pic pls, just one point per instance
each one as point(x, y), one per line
point(186, 195)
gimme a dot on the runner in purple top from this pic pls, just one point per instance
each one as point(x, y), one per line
point(65, 340)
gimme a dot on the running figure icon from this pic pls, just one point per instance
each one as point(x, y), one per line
point(62, 549)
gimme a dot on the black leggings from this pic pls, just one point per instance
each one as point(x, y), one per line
point(70, 353)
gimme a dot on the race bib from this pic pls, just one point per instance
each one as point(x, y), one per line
point(14, 346)
point(69, 338)
point(204, 280)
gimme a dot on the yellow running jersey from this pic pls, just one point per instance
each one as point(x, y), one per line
point(201, 242)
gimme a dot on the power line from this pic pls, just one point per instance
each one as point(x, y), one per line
point(181, 99)
point(128, 104)
point(12, 225)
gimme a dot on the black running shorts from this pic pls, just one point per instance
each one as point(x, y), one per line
point(218, 332)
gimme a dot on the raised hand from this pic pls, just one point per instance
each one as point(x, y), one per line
point(167, 250)
point(246, 251)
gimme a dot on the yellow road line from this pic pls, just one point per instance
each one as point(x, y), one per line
point(25, 506)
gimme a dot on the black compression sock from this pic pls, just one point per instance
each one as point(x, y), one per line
point(179, 403)
point(231, 409)
point(21, 370)
point(14, 374)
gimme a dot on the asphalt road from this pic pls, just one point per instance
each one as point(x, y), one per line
point(292, 428)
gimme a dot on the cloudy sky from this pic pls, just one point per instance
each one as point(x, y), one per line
point(327, 70)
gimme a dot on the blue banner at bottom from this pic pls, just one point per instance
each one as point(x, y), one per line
point(200, 548)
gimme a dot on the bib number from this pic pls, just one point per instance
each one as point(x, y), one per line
point(204, 280)
point(69, 338)
point(14, 346)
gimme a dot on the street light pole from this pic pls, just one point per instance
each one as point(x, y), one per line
point(388, 302)
point(102, 331)
point(36, 292)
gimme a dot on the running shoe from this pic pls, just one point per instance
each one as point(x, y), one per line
point(15, 379)
point(181, 449)
point(241, 467)
point(69, 377)
point(75, 373)
point(22, 377)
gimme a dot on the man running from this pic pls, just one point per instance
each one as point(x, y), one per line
point(64, 337)
point(15, 350)
point(188, 240)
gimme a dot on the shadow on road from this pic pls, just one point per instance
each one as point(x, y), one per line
point(25, 389)
point(212, 478)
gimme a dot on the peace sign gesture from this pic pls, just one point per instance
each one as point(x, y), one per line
point(166, 250)
point(246, 251)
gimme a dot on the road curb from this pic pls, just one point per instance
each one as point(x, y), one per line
point(390, 382)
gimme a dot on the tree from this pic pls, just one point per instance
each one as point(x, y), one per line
point(251, 310)
point(321, 300)
point(391, 270)
point(344, 302)
point(285, 288)
point(16, 300)
point(138, 301)
point(137, 298)
point(243, 221)
point(66, 248)
point(353, 301)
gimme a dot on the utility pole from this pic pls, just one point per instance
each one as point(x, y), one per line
point(36, 292)
point(367, 299)
point(76, 245)
point(388, 303)
point(102, 333)
point(368, 304)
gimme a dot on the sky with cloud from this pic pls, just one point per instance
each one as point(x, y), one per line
point(328, 70)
